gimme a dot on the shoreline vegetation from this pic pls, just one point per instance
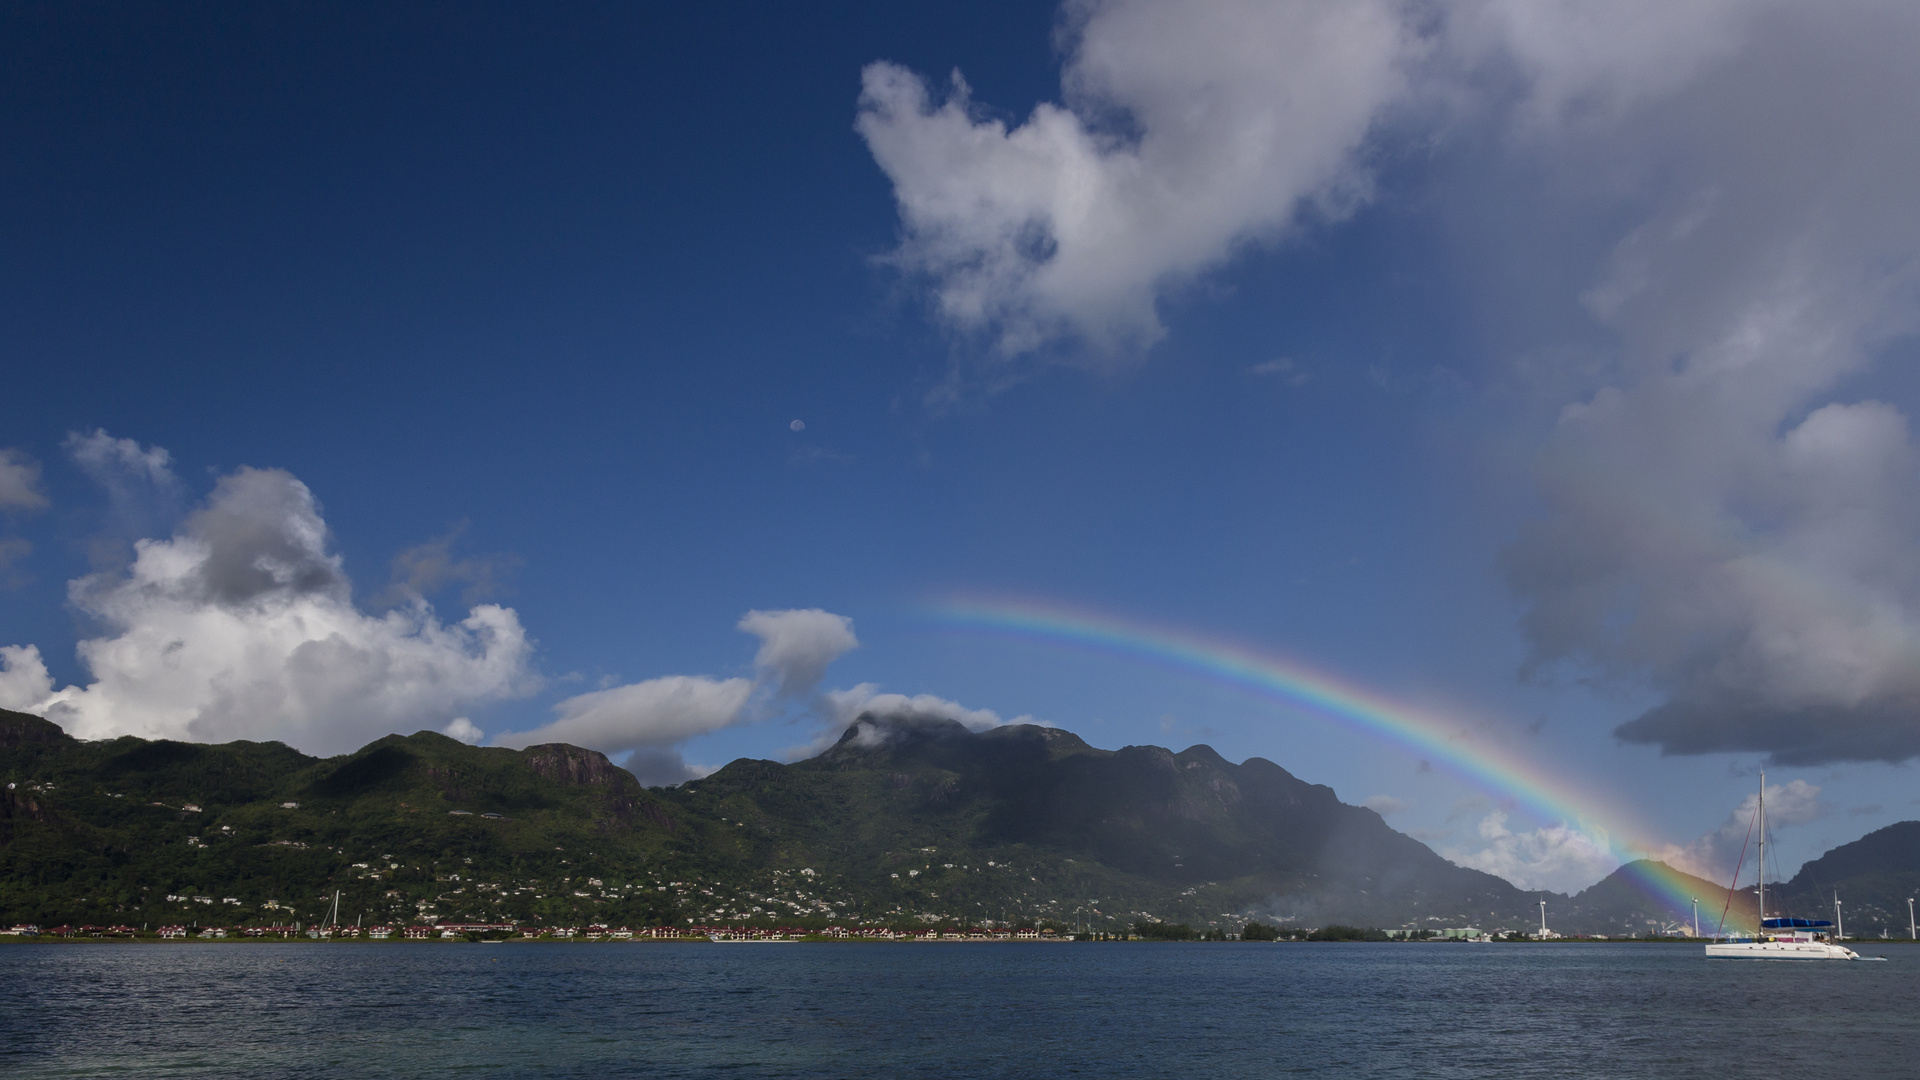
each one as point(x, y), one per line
point(1149, 933)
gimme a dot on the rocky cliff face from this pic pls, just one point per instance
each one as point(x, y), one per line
point(565, 764)
point(20, 730)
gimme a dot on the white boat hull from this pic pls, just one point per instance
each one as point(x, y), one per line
point(1779, 950)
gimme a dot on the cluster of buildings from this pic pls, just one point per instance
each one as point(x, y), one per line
point(455, 931)
point(30, 930)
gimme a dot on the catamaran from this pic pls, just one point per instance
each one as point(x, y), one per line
point(1778, 938)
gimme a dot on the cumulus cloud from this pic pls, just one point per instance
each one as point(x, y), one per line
point(648, 720)
point(463, 729)
point(657, 766)
point(242, 626)
point(797, 645)
point(653, 713)
point(1730, 184)
point(1723, 522)
point(1561, 858)
point(1185, 130)
point(24, 680)
point(1716, 854)
point(20, 482)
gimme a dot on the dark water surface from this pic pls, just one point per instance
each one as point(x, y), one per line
point(973, 1010)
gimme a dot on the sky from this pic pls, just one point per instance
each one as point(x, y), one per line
point(1497, 411)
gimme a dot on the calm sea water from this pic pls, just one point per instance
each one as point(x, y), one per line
point(972, 1010)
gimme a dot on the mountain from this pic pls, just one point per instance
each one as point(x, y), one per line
point(1873, 876)
point(1032, 821)
point(1621, 904)
point(127, 829)
point(903, 820)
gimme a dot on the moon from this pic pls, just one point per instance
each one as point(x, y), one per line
point(797, 425)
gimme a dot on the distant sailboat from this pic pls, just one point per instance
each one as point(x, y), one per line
point(330, 925)
point(1778, 938)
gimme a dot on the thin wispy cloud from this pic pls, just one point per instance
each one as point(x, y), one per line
point(20, 482)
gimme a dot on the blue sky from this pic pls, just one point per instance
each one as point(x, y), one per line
point(1546, 369)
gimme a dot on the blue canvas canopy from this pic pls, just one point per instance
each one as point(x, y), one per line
point(1793, 924)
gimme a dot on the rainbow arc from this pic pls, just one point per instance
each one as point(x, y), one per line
point(1445, 741)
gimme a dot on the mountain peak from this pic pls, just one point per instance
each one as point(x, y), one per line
point(18, 729)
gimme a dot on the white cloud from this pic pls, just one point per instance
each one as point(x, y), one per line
point(19, 482)
point(139, 481)
point(24, 680)
point(1717, 854)
point(1385, 805)
point(1187, 130)
point(1560, 858)
point(797, 645)
point(655, 713)
point(1729, 184)
point(108, 459)
point(649, 720)
point(242, 626)
point(463, 729)
point(842, 708)
point(846, 706)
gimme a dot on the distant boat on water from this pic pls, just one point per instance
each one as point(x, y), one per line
point(1778, 938)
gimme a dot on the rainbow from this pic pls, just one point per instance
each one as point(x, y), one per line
point(1443, 741)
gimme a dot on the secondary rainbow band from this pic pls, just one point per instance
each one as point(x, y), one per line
point(1495, 770)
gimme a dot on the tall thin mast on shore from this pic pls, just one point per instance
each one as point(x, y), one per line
point(1762, 875)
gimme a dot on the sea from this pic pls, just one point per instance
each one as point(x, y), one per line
point(528, 1009)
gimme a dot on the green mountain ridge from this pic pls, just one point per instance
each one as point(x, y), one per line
point(903, 821)
point(1873, 877)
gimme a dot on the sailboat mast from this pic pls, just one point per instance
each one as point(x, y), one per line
point(1762, 875)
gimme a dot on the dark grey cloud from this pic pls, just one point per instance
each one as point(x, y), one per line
point(660, 767)
point(1887, 730)
point(426, 569)
point(263, 535)
point(1724, 522)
